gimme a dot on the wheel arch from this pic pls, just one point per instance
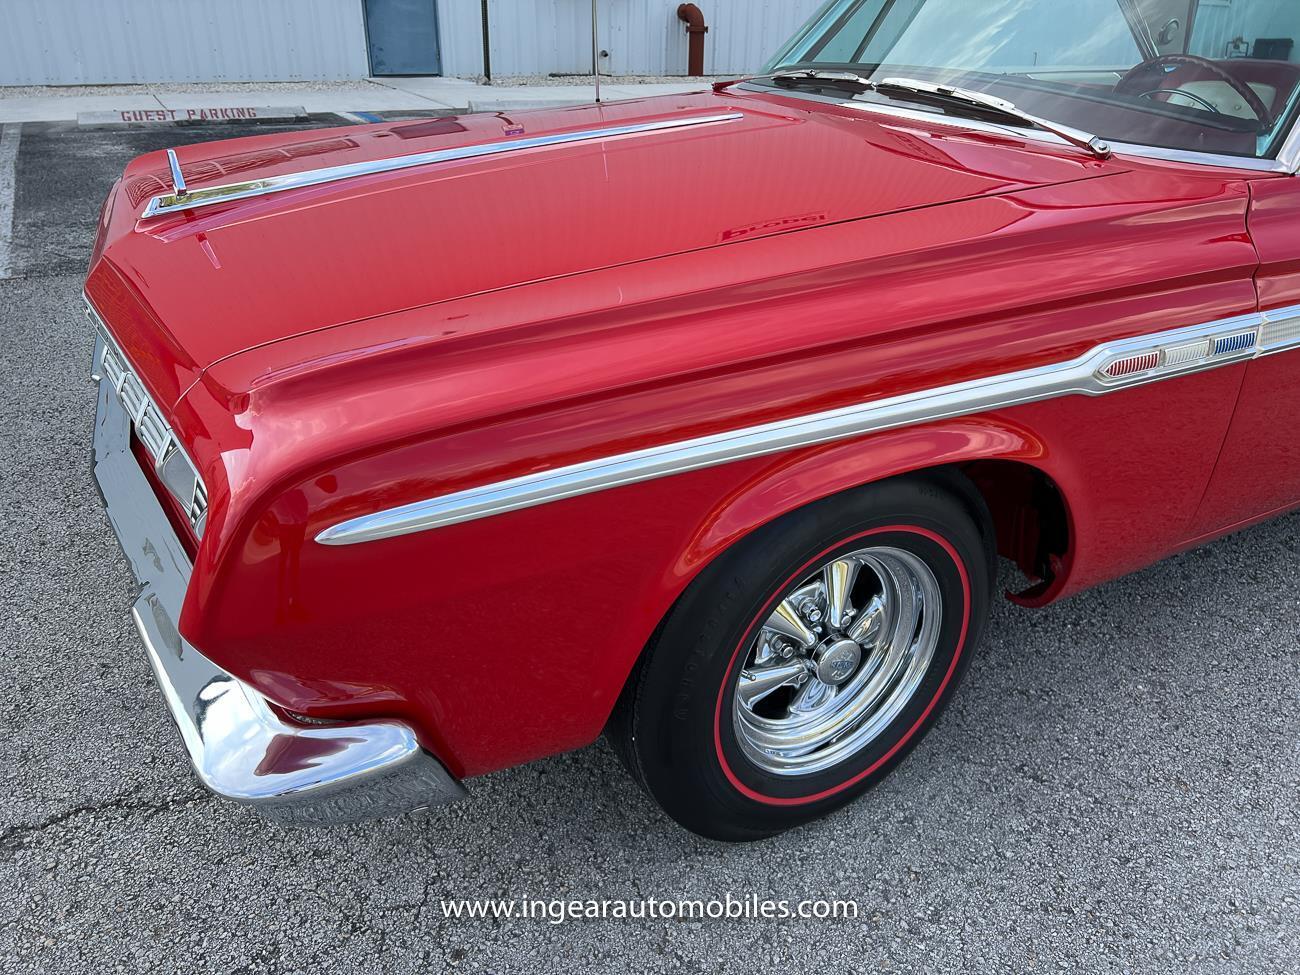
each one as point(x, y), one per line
point(1005, 471)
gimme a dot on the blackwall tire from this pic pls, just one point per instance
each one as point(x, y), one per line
point(742, 721)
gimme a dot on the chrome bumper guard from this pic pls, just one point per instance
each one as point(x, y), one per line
point(240, 747)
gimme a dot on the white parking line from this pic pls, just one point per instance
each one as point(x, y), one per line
point(9, 136)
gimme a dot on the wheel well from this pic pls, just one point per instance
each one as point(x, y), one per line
point(1030, 520)
point(1019, 509)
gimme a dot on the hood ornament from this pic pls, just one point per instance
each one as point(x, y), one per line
point(178, 181)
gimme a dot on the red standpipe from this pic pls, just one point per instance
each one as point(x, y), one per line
point(696, 28)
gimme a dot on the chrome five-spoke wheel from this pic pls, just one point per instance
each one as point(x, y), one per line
point(806, 661)
point(837, 660)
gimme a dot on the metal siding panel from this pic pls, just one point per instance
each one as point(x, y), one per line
point(641, 38)
point(460, 37)
point(566, 49)
point(64, 42)
point(527, 36)
point(545, 36)
point(743, 34)
point(1218, 22)
point(1213, 29)
point(139, 41)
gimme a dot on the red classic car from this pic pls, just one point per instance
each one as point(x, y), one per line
point(443, 445)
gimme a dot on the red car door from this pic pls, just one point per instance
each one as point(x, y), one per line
point(1258, 472)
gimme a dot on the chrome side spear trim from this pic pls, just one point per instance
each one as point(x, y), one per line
point(182, 199)
point(1106, 368)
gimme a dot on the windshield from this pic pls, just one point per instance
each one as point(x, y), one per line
point(1219, 76)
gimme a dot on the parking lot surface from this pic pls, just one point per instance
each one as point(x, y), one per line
point(1116, 786)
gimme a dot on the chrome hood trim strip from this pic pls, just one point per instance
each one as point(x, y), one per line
point(184, 199)
point(1107, 368)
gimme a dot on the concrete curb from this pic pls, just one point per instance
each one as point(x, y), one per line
point(522, 104)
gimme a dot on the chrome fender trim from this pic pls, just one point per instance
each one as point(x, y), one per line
point(183, 198)
point(1107, 368)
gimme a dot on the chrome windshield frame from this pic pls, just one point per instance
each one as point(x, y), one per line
point(1288, 157)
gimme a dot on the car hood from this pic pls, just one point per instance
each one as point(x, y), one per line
point(185, 290)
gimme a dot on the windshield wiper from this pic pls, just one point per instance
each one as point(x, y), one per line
point(947, 94)
point(817, 76)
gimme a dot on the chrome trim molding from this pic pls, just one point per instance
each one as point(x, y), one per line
point(241, 748)
point(1192, 158)
point(1281, 331)
point(1114, 365)
point(192, 199)
point(1288, 156)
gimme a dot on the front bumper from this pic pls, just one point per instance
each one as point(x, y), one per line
point(241, 748)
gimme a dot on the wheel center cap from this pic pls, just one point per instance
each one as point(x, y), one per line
point(836, 661)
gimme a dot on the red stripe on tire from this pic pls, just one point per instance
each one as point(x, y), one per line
point(961, 644)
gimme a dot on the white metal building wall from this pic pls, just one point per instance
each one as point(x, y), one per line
point(68, 42)
point(528, 36)
point(748, 32)
point(1219, 23)
point(642, 36)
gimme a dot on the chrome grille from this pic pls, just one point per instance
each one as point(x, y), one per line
point(153, 433)
point(149, 425)
point(172, 466)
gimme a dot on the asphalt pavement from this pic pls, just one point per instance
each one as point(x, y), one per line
point(1115, 788)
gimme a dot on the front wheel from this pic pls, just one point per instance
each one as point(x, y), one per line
point(805, 663)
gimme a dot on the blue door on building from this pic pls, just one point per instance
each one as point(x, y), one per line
point(403, 37)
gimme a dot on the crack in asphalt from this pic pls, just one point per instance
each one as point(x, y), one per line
point(14, 837)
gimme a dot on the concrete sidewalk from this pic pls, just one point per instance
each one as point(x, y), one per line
point(434, 95)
